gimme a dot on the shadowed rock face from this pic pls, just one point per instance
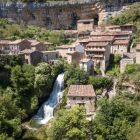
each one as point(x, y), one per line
point(60, 16)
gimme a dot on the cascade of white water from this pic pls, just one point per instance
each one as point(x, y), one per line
point(45, 112)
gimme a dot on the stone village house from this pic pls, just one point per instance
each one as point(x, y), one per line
point(81, 95)
point(88, 66)
point(74, 56)
point(99, 53)
point(38, 46)
point(19, 45)
point(129, 88)
point(85, 25)
point(120, 46)
point(65, 49)
point(127, 58)
point(32, 57)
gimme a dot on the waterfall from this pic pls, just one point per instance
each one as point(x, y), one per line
point(45, 112)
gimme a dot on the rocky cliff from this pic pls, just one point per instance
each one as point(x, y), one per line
point(57, 16)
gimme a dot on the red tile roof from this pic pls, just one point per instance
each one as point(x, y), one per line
point(95, 50)
point(114, 27)
point(121, 42)
point(127, 25)
point(62, 47)
point(97, 33)
point(28, 51)
point(138, 47)
point(85, 60)
point(17, 41)
point(113, 33)
point(97, 44)
point(128, 84)
point(103, 38)
point(85, 20)
point(81, 91)
point(47, 43)
point(34, 43)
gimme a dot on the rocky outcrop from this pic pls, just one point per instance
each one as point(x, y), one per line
point(57, 16)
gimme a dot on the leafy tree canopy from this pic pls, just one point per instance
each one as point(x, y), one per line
point(69, 125)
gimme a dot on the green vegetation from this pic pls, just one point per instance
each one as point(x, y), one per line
point(69, 124)
point(75, 75)
point(132, 15)
point(114, 67)
point(20, 99)
point(114, 119)
point(15, 31)
point(99, 82)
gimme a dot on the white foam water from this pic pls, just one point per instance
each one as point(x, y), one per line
point(45, 112)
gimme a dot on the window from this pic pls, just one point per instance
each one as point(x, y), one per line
point(89, 98)
point(126, 88)
point(121, 50)
point(73, 98)
point(82, 98)
point(86, 22)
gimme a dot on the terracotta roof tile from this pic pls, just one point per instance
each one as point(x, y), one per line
point(47, 43)
point(128, 84)
point(113, 33)
point(28, 51)
point(85, 20)
point(97, 33)
point(62, 47)
point(34, 43)
point(103, 38)
point(97, 44)
point(114, 27)
point(138, 47)
point(17, 41)
point(81, 91)
point(127, 25)
point(121, 42)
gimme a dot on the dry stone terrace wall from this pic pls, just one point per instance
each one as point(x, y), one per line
point(54, 15)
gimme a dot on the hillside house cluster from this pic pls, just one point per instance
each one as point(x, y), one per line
point(99, 44)
point(34, 51)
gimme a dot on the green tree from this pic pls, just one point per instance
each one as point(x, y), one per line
point(23, 82)
point(43, 77)
point(75, 75)
point(114, 119)
point(69, 125)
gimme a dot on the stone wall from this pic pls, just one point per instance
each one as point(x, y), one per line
point(88, 102)
point(124, 62)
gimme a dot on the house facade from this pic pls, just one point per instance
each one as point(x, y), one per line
point(128, 27)
point(88, 66)
point(129, 88)
point(64, 49)
point(50, 55)
point(38, 46)
point(32, 57)
point(81, 95)
point(74, 56)
point(120, 46)
point(127, 58)
point(84, 25)
point(19, 45)
point(99, 53)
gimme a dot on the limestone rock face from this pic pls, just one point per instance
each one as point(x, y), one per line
point(50, 17)
point(60, 16)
